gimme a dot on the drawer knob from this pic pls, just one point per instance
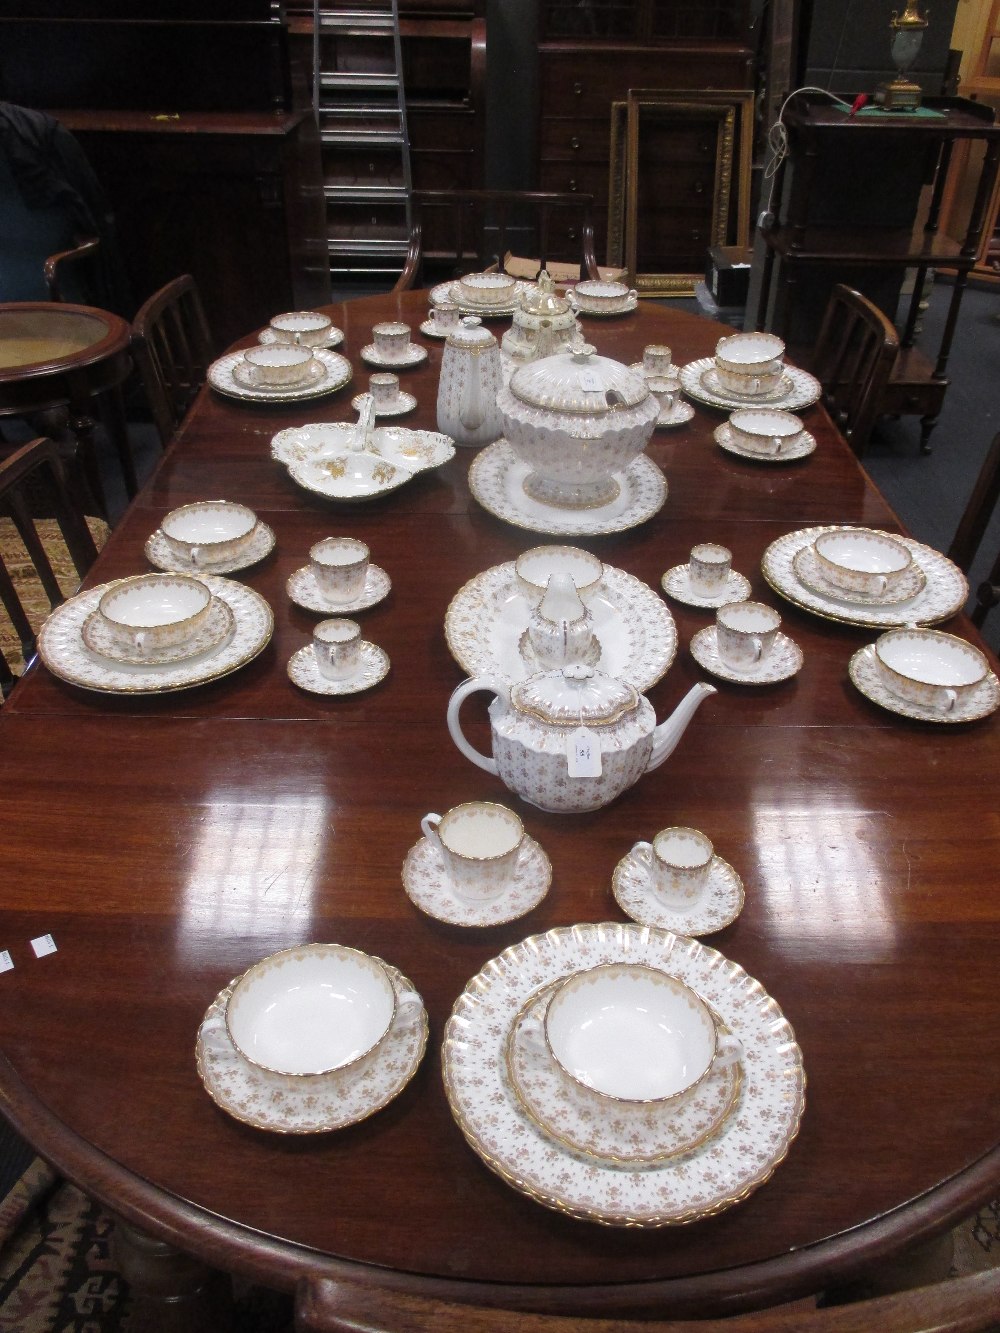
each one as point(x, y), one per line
point(699, 187)
point(572, 187)
point(578, 88)
point(574, 143)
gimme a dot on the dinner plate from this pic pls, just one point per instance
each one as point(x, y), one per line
point(980, 702)
point(160, 553)
point(488, 615)
point(799, 388)
point(335, 373)
point(744, 1153)
point(266, 1101)
point(496, 479)
point(61, 646)
point(943, 595)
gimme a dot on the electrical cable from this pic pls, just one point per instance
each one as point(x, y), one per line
point(777, 142)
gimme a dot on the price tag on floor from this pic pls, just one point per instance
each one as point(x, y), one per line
point(583, 754)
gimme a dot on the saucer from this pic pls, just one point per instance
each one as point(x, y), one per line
point(333, 339)
point(412, 356)
point(163, 556)
point(864, 672)
point(334, 1101)
point(218, 626)
point(784, 660)
point(431, 329)
point(628, 1134)
point(303, 671)
point(676, 583)
point(427, 886)
point(403, 402)
point(809, 572)
point(719, 903)
point(805, 445)
point(629, 304)
point(304, 591)
point(333, 372)
point(678, 414)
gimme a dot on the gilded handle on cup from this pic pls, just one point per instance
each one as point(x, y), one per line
point(758, 647)
point(728, 1050)
point(429, 826)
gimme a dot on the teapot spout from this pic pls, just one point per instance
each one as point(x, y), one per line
point(669, 732)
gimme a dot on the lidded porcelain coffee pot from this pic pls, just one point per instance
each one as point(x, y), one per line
point(574, 739)
point(543, 323)
point(468, 385)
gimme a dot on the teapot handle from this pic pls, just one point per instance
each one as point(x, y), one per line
point(459, 695)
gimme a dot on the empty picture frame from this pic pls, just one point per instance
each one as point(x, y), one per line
point(679, 183)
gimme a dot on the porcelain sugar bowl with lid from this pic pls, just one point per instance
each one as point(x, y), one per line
point(573, 739)
point(576, 418)
point(543, 324)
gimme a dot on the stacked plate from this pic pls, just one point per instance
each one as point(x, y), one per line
point(574, 1114)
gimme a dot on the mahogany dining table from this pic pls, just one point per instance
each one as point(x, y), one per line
point(165, 843)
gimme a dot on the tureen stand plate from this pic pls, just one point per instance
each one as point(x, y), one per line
point(427, 887)
point(945, 592)
point(335, 371)
point(266, 1101)
point(496, 479)
point(62, 649)
point(737, 1160)
point(799, 388)
point(718, 905)
point(981, 702)
point(162, 555)
point(487, 616)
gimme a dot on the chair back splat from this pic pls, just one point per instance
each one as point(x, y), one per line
point(855, 355)
point(972, 527)
point(172, 346)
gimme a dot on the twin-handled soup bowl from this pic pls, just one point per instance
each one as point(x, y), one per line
point(930, 668)
point(279, 364)
point(861, 560)
point(603, 297)
point(154, 611)
point(750, 363)
point(487, 289)
point(760, 431)
point(307, 327)
point(208, 532)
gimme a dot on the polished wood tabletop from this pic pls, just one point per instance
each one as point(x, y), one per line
point(167, 843)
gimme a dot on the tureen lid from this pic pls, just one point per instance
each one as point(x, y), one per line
point(470, 333)
point(578, 381)
point(573, 696)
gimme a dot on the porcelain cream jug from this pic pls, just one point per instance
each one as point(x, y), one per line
point(561, 629)
point(574, 739)
point(468, 385)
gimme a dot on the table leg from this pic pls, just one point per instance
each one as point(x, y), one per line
point(171, 1292)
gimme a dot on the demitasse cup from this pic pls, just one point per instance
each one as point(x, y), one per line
point(745, 633)
point(340, 567)
point(487, 289)
point(750, 363)
point(279, 363)
point(391, 339)
point(154, 611)
point(480, 844)
point(628, 1032)
point(534, 568)
point(307, 327)
point(602, 296)
point(445, 316)
point(930, 668)
point(860, 560)
point(656, 360)
point(762, 432)
point(384, 388)
point(678, 861)
point(708, 567)
point(337, 648)
point(208, 532)
point(312, 1011)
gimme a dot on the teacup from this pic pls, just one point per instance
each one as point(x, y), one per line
point(592, 294)
point(337, 648)
point(445, 316)
point(487, 289)
point(664, 390)
point(384, 388)
point(860, 560)
point(708, 568)
point(534, 568)
point(279, 363)
point(481, 844)
point(656, 360)
point(631, 1033)
point(750, 363)
point(929, 667)
point(679, 861)
point(745, 633)
point(763, 432)
point(307, 327)
point(312, 1011)
point(208, 532)
point(340, 567)
point(154, 611)
point(391, 338)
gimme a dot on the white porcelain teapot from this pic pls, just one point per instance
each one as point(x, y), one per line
point(573, 739)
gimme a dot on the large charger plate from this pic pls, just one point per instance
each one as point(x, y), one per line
point(335, 371)
point(944, 593)
point(750, 1144)
point(488, 615)
point(798, 389)
point(62, 649)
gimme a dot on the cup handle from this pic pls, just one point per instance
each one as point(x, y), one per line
point(883, 583)
point(643, 852)
point(429, 827)
point(758, 647)
point(409, 1005)
point(633, 294)
point(728, 1051)
point(140, 641)
point(952, 698)
point(776, 443)
point(533, 1038)
point(252, 372)
point(668, 400)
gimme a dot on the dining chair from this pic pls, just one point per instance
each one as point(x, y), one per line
point(969, 1304)
point(46, 547)
point(453, 232)
point(855, 354)
point(971, 530)
point(172, 346)
point(69, 273)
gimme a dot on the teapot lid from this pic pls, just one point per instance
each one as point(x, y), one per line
point(542, 299)
point(574, 696)
point(579, 381)
point(470, 333)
